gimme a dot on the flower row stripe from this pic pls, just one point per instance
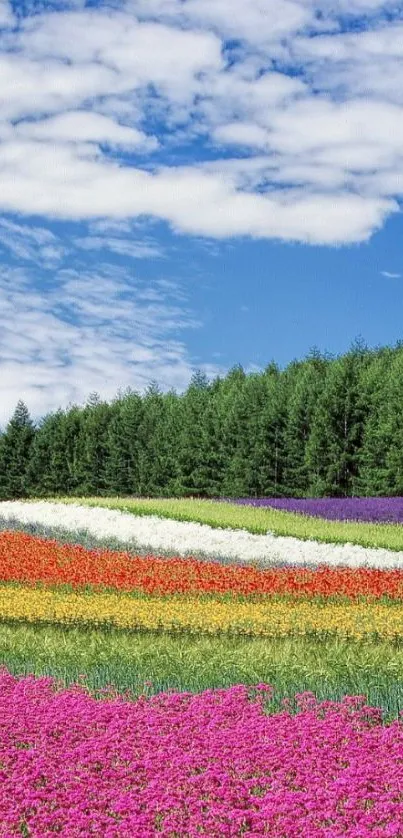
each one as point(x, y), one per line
point(29, 559)
point(192, 614)
point(186, 539)
point(211, 764)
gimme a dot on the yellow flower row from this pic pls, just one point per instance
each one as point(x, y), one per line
point(268, 618)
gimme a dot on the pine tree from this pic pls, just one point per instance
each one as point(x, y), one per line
point(322, 426)
point(192, 450)
point(228, 402)
point(70, 451)
point(169, 430)
point(306, 387)
point(244, 473)
point(211, 470)
point(47, 470)
point(374, 477)
point(149, 443)
point(337, 427)
point(271, 433)
point(391, 426)
point(122, 455)
point(15, 449)
point(93, 445)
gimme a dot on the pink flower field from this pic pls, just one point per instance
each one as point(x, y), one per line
point(181, 765)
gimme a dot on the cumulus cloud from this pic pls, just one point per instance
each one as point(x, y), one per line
point(138, 54)
point(242, 134)
point(255, 21)
point(265, 118)
point(83, 126)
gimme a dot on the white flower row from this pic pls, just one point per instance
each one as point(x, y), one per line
point(185, 539)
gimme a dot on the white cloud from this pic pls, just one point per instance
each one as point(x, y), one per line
point(70, 184)
point(317, 125)
point(31, 244)
point(6, 15)
point(29, 87)
point(242, 134)
point(390, 275)
point(123, 247)
point(256, 21)
point(82, 126)
point(119, 42)
point(367, 63)
point(384, 41)
point(237, 99)
point(87, 331)
point(110, 225)
point(314, 123)
point(354, 7)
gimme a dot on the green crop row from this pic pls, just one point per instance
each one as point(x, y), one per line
point(330, 668)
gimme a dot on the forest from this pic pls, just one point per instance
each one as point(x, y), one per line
point(322, 426)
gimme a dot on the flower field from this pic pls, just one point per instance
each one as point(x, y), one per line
point(389, 510)
point(211, 764)
point(221, 531)
point(215, 675)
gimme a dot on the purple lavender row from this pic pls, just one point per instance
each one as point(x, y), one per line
point(335, 509)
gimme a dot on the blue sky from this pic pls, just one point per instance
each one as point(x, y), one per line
point(194, 184)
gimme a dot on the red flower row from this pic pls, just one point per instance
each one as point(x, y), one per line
point(26, 558)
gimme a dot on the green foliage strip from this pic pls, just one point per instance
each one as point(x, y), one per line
point(330, 668)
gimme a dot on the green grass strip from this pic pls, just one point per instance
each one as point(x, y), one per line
point(254, 520)
point(330, 668)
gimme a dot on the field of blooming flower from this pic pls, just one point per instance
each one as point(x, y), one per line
point(389, 510)
point(183, 667)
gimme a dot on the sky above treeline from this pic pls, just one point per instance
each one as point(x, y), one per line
point(192, 184)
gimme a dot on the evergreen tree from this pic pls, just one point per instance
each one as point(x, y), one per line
point(374, 475)
point(227, 395)
point(72, 446)
point(92, 443)
point(169, 431)
point(47, 471)
point(307, 386)
point(211, 469)
point(192, 450)
point(246, 467)
point(271, 433)
point(391, 426)
point(122, 454)
point(15, 450)
point(149, 442)
point(234, 423)
point(338, 424)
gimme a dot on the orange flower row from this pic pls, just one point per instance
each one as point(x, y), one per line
point(26, 558)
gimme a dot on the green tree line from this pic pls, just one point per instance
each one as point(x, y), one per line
point(322, 426)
